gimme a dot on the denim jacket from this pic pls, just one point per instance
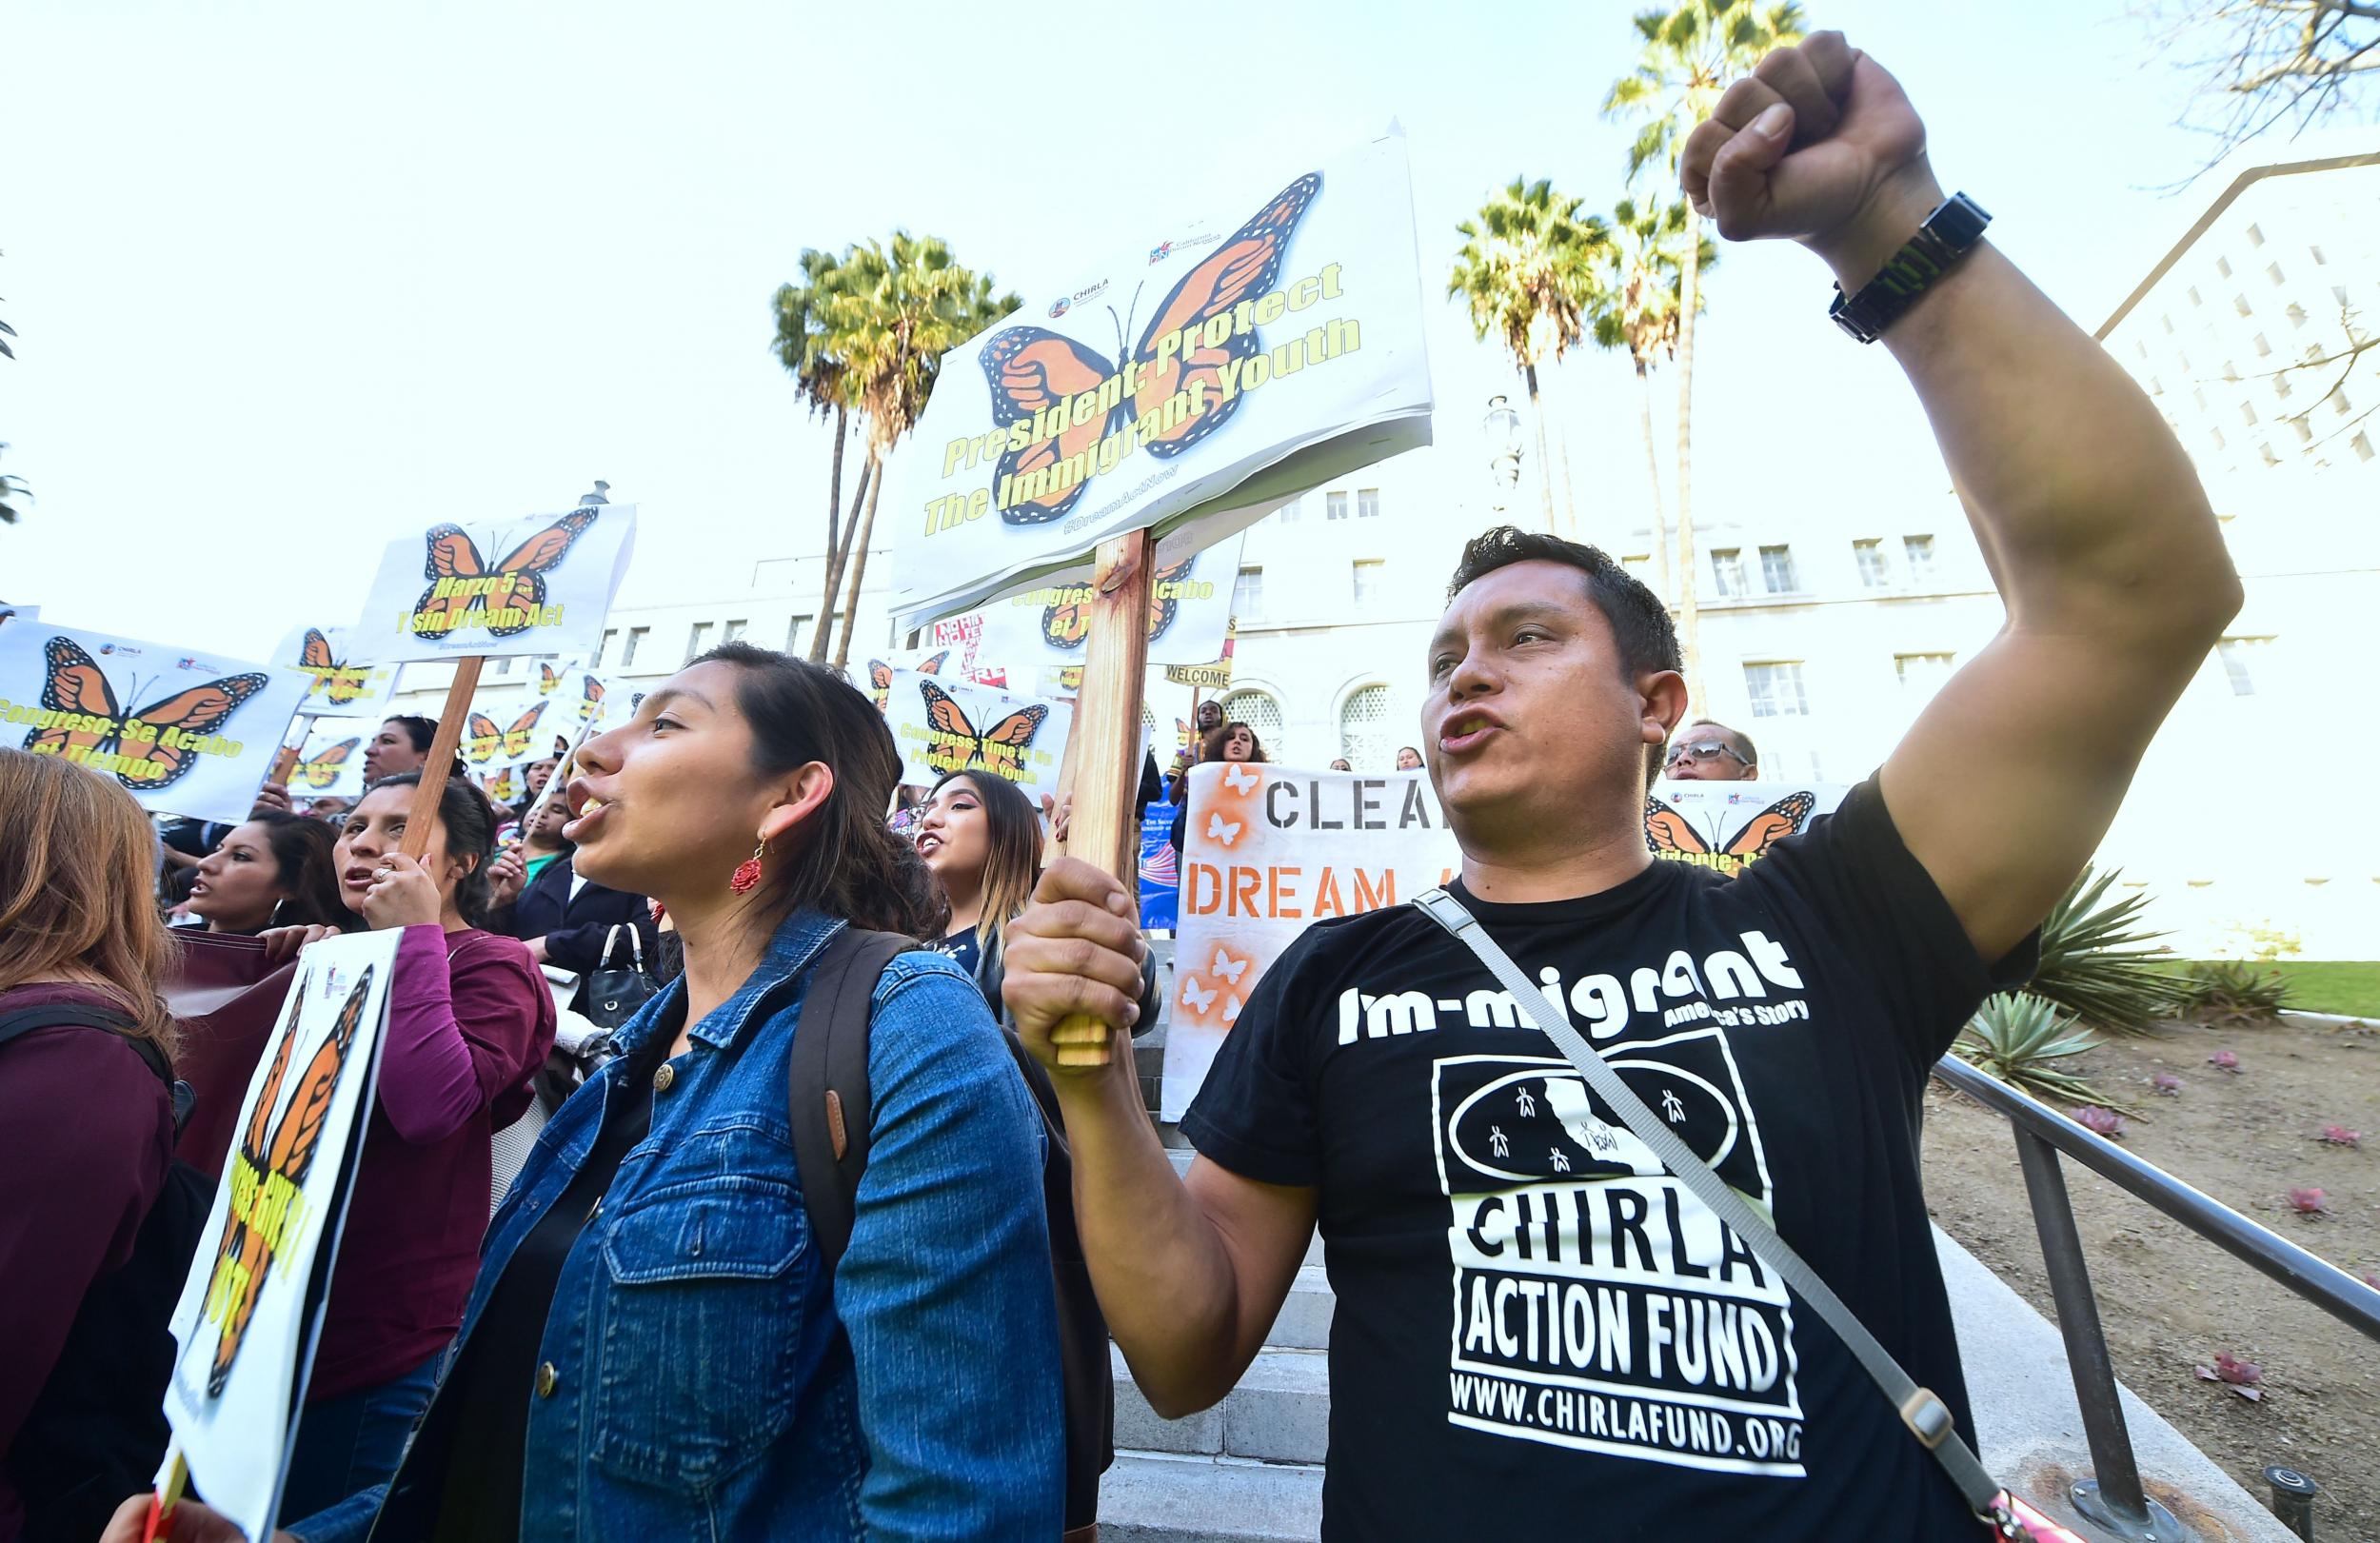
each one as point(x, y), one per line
point(710, 1381)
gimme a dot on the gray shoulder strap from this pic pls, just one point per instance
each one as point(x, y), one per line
point(1927, 1416)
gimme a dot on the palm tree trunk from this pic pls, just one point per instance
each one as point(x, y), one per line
point(1561, 452)
point(1545, 466)
point(834, 508)
point(859, 565)
point(1653, 484)
point(1689, 611)
point(837, 555)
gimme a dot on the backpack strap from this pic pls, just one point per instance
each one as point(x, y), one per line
point(24, 1021)
point(826, 1094)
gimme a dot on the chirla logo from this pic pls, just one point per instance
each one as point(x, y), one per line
point(1060, 306)
point(1160, 252)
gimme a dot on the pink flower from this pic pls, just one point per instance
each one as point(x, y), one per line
point(2309, 1202)
point(2105, 1122)
point(2244, 1378)
point(2167, 1084)
point(2341, 1135)
point(2225, 1061)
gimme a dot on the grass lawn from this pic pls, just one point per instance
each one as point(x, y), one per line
point(2341, 986)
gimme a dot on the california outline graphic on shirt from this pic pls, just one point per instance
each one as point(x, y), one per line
point(1598, 1305)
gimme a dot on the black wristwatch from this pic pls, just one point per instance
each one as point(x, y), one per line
point(1948, 234)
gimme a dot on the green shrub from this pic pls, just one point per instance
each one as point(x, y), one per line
point(2100, 964)
point(2019, 1038)
point(2233, 989)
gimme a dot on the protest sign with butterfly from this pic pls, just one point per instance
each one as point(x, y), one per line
point(915, 661)
point(250, 1312)
point(343, 682)
point(1724, 825)
point(187, 734)
point(949, 726)
point(331, 764)
point(1044, 628)
point(578, 694)
point(512, 730)
point(1200, 380)
point(539, 586)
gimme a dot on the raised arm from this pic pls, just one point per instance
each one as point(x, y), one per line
point(2092, 523)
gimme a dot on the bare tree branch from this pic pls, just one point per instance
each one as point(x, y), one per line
point(2265, 65)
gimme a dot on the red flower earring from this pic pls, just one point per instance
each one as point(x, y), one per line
point(747, 874)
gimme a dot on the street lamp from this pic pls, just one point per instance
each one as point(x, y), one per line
point(1502, 429)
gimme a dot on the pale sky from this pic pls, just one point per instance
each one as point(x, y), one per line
point(291, 279)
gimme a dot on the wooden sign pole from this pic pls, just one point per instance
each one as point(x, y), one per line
point(440, 759)
point(1107, 743)
point(285, 763)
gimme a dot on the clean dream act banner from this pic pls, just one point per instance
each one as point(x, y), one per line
point(189, 734)
point(948, 725)
point(539, 586)
point(1268, 849)
point(246, 1325)
point(1203, 378)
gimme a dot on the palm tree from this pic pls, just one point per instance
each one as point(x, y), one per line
point(807, 346)
point(1689, 54)
point(894, 316)
point(1527, 271)
point(1639, 310)
point(11, 489)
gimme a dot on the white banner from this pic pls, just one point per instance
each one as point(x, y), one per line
point(1044, 628)
point(189, 734)
point(331, 764)
point(949, 726)
point(343, 682)
point(244, 1331)
point(579, 697)
point(1267, 850)
point(1204, 377)
point(513, 729)
point(18, 613)
point(539, 586)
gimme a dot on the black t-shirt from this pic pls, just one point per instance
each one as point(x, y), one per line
point(1538, 1331)
point(965, 947)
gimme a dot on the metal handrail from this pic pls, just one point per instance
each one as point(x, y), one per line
point(2316, 1279)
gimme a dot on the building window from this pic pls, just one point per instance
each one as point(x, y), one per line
point(1922, 674)
point(1365, 731)
point(2239, 304)
point(627, 651)
point(2265, 450)
point(2193, 296)
point(2296, 314)
point(1776, 689)
point(2216, 435)
point(2281, 387)
point(697, 640)
point(1727, 566)
point(2339, 404)
point(1367, 502)
point(2255, 236)
point(2198, 395)
point(2223, 266)
point(2362, 443)
point(1260, 712)
point(1917, 553)
point(2272, 272)
point(2304, 431)
point(2320, 261)
point(1637, 566)
point(1776, 570)
point(2231, 371)
point(2166, 321)
point(2238, 656)
point(2338, 292)
point(793, 633)
point(1247, 596)
point(1367, 580)
point(603, 649)
point(1335, 506)
point(2264, 350)
point(1291, 510)
point(1870, 555)
point(2248, 413)
point(732, 631)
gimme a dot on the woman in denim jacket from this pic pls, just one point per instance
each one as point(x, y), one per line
point(653, 1349)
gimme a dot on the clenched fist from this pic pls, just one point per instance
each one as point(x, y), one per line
point(1817, 143)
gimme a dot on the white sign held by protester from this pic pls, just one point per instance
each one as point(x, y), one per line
point(244, 1331)
point(187, 734)
point(1045, 626)
point(331, 764)
point(342, 683)
point(1200, 379)
point(538, 585)
point(1268, 850)
point(580, 697)
point(948, 725)
point(513, 729)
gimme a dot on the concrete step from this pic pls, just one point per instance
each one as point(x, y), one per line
point(1278, 1414)
point(1305, 1318)
point(1179, 1150)
point(1161, 1497)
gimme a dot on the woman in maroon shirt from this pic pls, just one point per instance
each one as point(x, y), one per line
point(85, 1124)
point(470, 1019)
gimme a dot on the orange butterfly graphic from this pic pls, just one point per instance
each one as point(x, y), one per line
point(335, 679)
point(513, 584)
point(1669, 832)
point(1032, 368)
point(961, 744)
point(879, 676)
point(484, 740)
point(267, 1179)
point(505, 786)
point(323, 770)
point(151, 747)
point(591, 703)
point(1065, 625)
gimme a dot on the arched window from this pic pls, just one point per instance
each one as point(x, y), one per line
point(1366, 735)
point(1260, 712)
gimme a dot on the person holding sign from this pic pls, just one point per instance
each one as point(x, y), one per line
point(655, 1347)
point(86, 1138)
point(469, 1021)
point(276, 871)
point(1611, 1349)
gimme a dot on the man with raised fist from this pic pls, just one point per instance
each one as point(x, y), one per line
point(1540, 1332)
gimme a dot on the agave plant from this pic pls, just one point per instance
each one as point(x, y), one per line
point(2019, 1038)
point(2099, 964)
point(2233, 989)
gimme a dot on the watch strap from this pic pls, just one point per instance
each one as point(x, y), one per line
point(1948, 233)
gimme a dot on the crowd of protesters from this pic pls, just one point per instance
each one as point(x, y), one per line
point(690, 1318)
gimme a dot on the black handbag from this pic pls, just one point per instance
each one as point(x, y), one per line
point(613, 995)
